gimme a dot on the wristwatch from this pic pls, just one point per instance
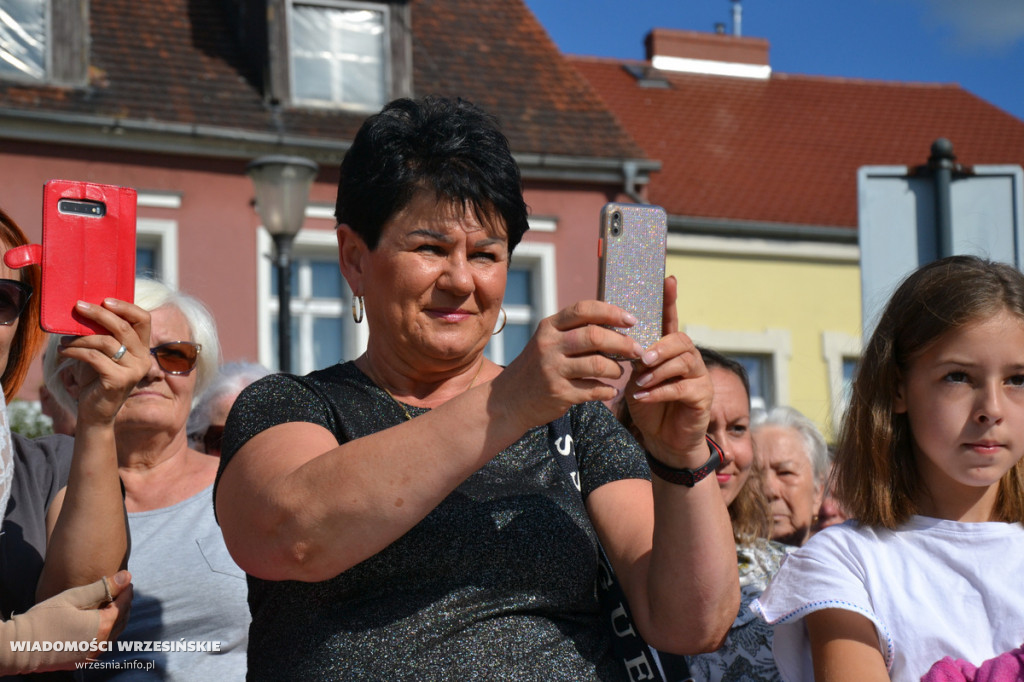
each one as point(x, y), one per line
point(688, 477)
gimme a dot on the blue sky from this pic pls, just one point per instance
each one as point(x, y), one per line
point(976, 43)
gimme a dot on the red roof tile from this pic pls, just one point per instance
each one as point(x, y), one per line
point(180, 62)
point(787, 149)
point(499, 54)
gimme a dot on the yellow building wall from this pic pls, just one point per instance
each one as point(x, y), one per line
point(752, 294)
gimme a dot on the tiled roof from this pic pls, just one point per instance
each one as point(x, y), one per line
point(498, 52)
point(180, 62)
point(787, 149)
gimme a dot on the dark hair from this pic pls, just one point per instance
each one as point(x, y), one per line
point(450, 147)
point(28, 337)
point(712, 358)
point(876, 476)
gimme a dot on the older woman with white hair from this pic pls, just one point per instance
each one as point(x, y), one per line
point(206, 423)
point(795, 458)
point(187, 588)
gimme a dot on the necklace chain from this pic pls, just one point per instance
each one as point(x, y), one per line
point(401, 405)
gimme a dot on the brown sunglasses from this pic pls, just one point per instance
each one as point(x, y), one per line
point(176, 357)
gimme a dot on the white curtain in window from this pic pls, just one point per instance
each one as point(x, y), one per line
point(338, 55)
point(23, 38)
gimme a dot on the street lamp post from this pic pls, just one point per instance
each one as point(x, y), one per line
point(282, 190)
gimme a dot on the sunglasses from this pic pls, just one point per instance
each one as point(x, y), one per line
point(213, 438)
point(176, 357)
point(14, 297)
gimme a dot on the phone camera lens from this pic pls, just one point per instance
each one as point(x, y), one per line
point(616, 224)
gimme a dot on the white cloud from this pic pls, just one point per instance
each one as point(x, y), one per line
point(994, 24)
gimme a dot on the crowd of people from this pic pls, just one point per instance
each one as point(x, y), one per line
point(594, 510)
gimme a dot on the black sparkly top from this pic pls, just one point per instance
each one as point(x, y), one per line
point(496, 583)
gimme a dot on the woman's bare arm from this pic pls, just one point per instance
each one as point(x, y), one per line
point(672, 546)
point(666, 545)
point(87, 535)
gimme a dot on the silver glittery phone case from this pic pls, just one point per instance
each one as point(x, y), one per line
point(631, 265)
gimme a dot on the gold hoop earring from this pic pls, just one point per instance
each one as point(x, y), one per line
point(504, 321)
point(357, 310)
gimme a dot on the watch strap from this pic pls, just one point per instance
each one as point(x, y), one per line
point(688, 477)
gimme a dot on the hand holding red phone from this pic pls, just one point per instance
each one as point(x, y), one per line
point(109, 365)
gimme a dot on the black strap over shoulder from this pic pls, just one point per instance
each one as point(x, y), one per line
point(640, 660)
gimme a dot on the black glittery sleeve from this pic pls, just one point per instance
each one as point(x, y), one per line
point(272, 400)
point(605, 451)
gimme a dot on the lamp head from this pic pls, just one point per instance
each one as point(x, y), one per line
point(282, 186)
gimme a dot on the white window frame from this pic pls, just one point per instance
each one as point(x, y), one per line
point(539, 259)
point(160, 234)
point(776, 343)
point(156, 198)
point(543, 224)
point(307, 242)
point(835, 348)
point(386, 53)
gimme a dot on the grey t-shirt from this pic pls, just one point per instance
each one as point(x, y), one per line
point(187, 589)
point(496, 583)
point(41, 468)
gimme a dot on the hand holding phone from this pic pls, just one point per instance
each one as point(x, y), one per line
point(631, 265)
point(87, 254)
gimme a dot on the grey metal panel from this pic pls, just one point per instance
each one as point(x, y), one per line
point(897, 225)
point(986, 214)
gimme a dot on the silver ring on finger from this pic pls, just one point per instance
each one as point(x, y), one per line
point(119, 354)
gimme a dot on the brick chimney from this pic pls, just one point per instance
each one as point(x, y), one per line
point(708, 53)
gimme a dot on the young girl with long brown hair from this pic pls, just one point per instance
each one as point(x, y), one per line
point(929, 464)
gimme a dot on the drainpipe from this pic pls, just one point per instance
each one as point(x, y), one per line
point(629, 173)
point(942, 162)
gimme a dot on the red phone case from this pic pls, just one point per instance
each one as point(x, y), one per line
point(87, 258)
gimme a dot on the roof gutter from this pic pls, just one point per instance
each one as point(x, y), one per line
point(136, 135)
point(160, 137)
point(615, 171)
point(719, 227)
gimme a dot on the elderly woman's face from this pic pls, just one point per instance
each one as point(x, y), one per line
point(730, 428)
point(161, 401)
point(789, 482)
point(434, 284)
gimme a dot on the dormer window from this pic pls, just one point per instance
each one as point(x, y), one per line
point(44, 41)
point(23, 39)
point(340, 54)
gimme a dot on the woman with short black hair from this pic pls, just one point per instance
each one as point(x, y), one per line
point(403, 516)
